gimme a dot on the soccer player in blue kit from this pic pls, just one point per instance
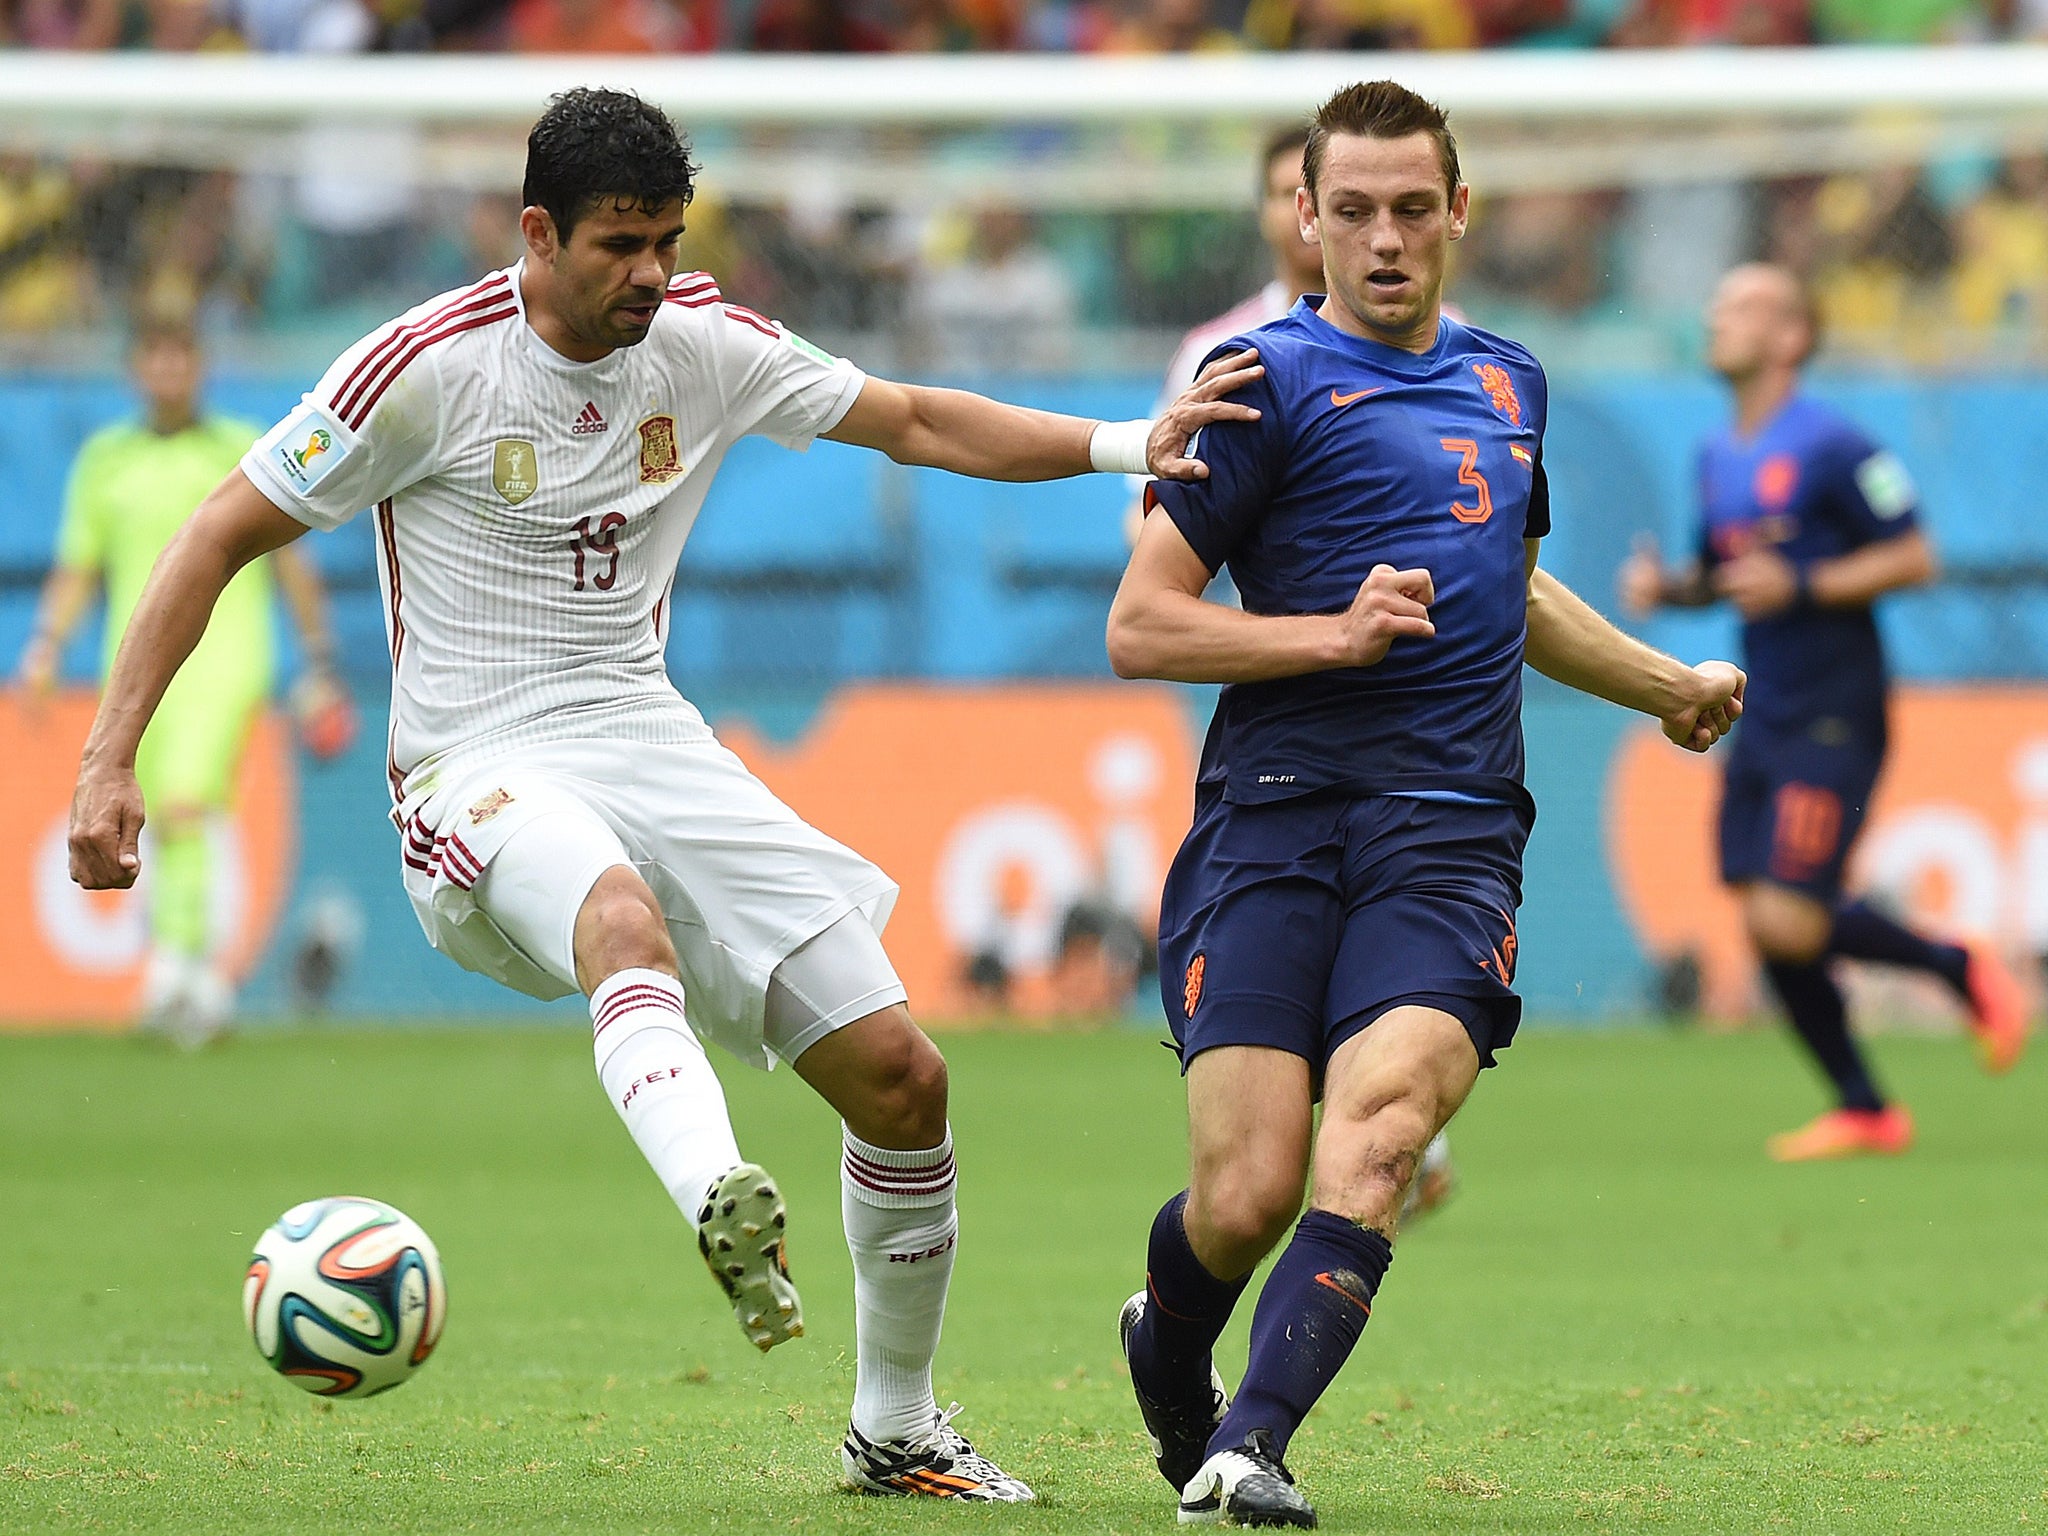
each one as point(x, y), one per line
point(1340, 922)
point(1805, 523)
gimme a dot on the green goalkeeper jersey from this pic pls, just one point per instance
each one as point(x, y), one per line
point(132, 489)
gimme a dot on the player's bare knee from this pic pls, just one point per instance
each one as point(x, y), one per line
point(907, 1087)
point(1785, 925)
point(1240, 1213)
point(620, 927)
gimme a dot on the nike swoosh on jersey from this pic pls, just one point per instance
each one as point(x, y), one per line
point(1337, 399)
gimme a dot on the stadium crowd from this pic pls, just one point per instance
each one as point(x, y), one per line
point(1925, 265)
point(89, 242)
point(881, 26)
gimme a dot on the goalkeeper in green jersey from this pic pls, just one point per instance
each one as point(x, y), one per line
point(131, 489)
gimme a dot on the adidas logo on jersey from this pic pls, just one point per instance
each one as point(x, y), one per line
point(588, 421)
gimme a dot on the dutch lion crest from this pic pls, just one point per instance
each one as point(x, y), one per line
point(1500, 390)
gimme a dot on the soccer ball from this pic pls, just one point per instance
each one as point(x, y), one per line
point(344, 1296)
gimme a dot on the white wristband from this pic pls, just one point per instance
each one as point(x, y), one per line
point(1118, 447)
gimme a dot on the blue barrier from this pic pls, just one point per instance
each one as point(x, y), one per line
point(810, 570)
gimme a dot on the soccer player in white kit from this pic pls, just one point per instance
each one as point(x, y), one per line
point(536, 447)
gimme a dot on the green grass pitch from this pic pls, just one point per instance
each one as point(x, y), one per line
point(1626, 1321)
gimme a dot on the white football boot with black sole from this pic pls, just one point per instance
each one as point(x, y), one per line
point(1179, 1431)
point(938, 1464)
point(1247, 1486)
point(740, 1234)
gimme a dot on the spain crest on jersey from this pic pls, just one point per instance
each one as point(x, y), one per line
point(659, 461)
point(1191, 988)
point(1500, 390)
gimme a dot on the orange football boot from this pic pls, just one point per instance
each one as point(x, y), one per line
point(1845, 1133)
point(1998, 1008)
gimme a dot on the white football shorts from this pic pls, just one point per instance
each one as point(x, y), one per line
point(743, 881)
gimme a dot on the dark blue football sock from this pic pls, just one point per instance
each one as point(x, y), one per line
point(1310, 1314)
point(1185, 1311)
point(1864, 933)
point(1815, 1003)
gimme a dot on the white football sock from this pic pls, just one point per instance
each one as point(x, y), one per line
point(901, 1228)
point(661, 1084)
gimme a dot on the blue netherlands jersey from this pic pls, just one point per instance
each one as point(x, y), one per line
point(1366, 455)
point(1810, 486)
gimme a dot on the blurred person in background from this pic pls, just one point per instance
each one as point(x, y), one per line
point(1006, 306)
point(611, 26)
point(1346, 25)
point(132, 487)
point(1805, 523)
point(1691, 23)
point(959, 26)
point(817, 26)
point(1542, 250)
point(1170, 26)
point(2001, 275)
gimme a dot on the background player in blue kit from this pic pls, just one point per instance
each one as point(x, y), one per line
point(1340, 921)
point(1805, 522)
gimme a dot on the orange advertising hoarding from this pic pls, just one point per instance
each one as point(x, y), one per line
point(1957, 835)
point(996, 809)
point(75, 957)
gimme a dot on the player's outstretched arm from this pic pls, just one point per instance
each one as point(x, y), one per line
point(1573, 645)
point(1159, 625)
point(971, 434)
point(234, 525)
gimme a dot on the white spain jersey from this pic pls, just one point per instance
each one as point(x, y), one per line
point(1263, 307)
point(530, 509)
point(1268, 304)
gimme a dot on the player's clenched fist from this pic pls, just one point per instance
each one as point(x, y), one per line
point(1390, 604)
point(1712, 709)
point(106, 824)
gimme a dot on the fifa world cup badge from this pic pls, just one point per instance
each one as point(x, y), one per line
point(512, 470)
point(658, 460)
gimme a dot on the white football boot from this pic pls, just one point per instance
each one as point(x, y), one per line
point(1247, 1486)
point(939, 1464)
point(740, 1234)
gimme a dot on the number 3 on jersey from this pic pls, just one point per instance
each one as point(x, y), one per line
point(602, 540)
point(1468, 474)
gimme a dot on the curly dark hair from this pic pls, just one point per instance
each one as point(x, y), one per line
point(595, 144)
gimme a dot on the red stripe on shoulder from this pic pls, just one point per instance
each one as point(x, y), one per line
point(354, 418)
point(760, 323)
point(693, 282)
point(395, 336)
